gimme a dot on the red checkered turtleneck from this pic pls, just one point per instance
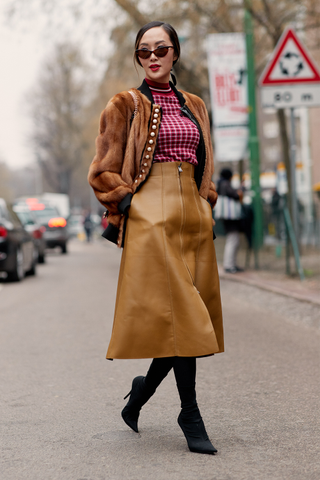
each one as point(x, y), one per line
point(178, 136)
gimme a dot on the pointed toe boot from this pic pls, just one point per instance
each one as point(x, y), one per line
point(196, 435)
point(139, 395)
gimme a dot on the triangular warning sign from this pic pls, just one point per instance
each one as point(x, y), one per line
point(290, 63)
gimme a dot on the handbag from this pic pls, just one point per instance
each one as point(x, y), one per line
point(227, 208)
point(111, 233)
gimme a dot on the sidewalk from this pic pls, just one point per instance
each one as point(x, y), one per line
point(272, 276)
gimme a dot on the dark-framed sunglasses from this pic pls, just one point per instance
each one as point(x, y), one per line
point(159, 52)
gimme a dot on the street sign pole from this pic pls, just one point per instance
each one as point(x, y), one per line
point(253, 141)
point(293, 152)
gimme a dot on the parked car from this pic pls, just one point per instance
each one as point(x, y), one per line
point(30, 223)
point(55, 231)
point(75, 225)
point(18, 254)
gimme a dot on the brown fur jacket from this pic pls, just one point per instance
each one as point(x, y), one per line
point(126, 145)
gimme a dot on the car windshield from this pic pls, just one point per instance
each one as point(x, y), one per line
point(45, 215)
point(25, 218)
point(13, 216)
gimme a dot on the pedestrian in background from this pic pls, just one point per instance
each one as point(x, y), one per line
point(231, 220)
point(156, 184)
point(88, 225)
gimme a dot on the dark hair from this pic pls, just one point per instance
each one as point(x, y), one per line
point(167, 28)
point(226, 173)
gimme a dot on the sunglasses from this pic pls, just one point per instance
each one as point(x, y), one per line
point(159, 52)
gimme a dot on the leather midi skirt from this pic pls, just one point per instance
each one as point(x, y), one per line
point(168, 298)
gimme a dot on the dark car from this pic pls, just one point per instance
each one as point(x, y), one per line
point(30, 223)
point(18, 255)
point(55, 227)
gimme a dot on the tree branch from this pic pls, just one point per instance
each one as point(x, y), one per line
point(133, 12)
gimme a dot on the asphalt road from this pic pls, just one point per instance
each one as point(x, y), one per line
point(61, 400)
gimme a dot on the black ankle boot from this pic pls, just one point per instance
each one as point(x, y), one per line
point(196, 435)
point(139, 395)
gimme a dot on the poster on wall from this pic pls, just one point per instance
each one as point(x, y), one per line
point(227, 65)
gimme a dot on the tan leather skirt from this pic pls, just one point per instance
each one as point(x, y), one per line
point(168, 299)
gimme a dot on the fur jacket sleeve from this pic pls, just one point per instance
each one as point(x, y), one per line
point(105, 174)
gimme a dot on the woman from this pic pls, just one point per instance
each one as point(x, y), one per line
point(152, 171)
point(232, 227)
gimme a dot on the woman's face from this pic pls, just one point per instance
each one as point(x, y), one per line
point(157, 69)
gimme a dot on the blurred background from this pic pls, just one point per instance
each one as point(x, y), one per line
point(63, 60)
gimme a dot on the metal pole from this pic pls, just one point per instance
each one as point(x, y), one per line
point(307, 172)
point(253, 141)
point(294, 242)
point(293, 151)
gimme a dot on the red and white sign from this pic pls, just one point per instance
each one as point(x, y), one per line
point(291, 78)
point(290, 63)
point(228, 91)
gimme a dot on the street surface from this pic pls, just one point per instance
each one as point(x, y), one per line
point(61, 400)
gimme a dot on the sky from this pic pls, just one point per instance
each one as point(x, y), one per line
point(24, 45)
point(20, 58)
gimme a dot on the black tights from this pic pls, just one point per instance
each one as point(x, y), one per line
point(185, 373)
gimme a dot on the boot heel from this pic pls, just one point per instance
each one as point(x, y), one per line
point(127, 395)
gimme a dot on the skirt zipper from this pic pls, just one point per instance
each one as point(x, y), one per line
point(182, 204)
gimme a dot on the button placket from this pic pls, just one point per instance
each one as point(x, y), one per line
point(151, 142)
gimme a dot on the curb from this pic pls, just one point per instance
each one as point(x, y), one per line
point(307, 296)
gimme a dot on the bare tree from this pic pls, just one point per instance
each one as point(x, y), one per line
point(58, 106)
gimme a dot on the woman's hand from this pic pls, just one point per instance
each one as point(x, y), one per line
point(213, 196)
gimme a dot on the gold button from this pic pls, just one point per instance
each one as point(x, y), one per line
point(149, 149)
point(151, 142)
point(157, 110)
point(152, 134)
point(156, 115)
